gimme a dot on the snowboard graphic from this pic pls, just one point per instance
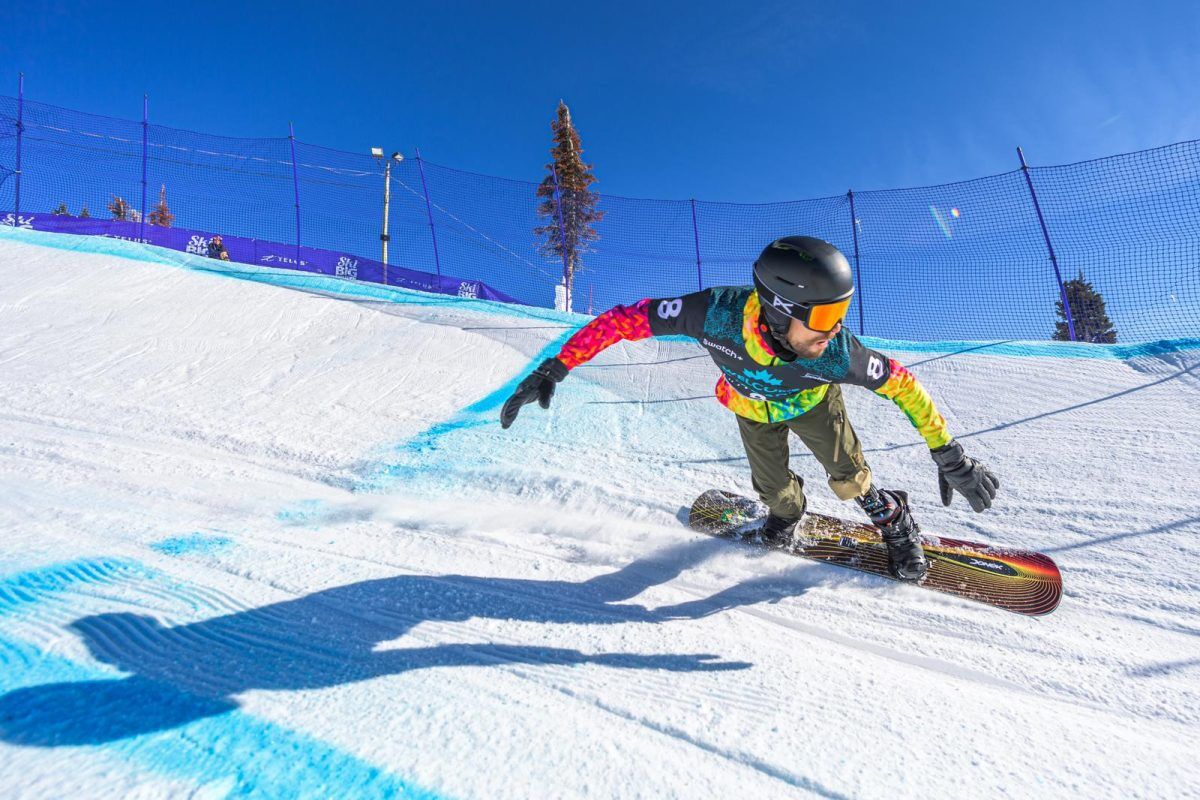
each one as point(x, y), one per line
point(1021, 581)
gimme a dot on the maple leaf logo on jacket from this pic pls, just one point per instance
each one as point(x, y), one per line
point(763, 376)
point(760, 380)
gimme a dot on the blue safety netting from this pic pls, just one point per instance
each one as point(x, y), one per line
point(963, 261)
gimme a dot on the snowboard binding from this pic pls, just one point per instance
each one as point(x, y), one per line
point(888, 510)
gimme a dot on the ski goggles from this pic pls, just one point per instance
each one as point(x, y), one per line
point(819, 317)
point(825, 317)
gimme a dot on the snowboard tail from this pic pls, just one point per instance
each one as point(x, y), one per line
point(1021, 581)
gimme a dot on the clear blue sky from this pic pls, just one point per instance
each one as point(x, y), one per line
point(751, 102)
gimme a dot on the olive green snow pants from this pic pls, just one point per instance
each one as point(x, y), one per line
point(825, 431)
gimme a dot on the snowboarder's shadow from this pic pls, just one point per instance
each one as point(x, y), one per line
point(187, 672)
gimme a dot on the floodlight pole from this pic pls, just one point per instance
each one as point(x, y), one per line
point(384, 238)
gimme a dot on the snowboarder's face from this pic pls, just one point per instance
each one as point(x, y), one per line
point(807, 343)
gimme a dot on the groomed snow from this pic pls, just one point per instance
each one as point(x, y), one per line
point(271, 541)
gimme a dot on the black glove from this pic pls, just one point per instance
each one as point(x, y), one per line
point(971, 478)
point(538, 386)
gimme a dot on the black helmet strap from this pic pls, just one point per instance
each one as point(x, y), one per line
point(774, 327)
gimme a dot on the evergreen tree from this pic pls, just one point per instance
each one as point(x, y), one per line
point(61, 211)
point(119, 209)
point(84, 213)
point(1087, 312)
point(566, 240)
point(161, 215)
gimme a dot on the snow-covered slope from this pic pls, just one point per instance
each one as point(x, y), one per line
point(272, 541)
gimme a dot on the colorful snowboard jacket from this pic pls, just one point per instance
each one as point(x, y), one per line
point(755, 383)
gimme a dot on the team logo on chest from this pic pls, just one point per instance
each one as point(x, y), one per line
point(759, 380)
point(729, 351)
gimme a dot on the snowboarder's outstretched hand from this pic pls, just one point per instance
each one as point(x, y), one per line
point(538, 386)
point(972, 479)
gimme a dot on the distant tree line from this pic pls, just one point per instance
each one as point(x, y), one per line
point(121, 211)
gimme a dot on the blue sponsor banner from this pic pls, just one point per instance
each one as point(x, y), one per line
point(268, 254)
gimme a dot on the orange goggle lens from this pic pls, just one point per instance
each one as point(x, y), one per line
point(825, 318)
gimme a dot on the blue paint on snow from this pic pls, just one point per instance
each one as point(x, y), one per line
point(34, 586)
point(192, 543)
point(56, 583)
point(304, 512)
point(418, 455)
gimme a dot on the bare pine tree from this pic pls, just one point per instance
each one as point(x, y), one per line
point(570, 212)
point(119, 209)
point(161, 215)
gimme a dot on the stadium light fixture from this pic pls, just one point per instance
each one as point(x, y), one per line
point(384, 237)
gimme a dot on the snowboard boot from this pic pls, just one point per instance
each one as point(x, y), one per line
point(888, 510)
point(777, 531)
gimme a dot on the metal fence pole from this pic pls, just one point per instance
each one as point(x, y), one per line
point(437, 261)
point(145, 151)
point(562, 229)
point(295, 188)
point(862, 324)
point(1050, 247)
point(20, 131)
point(696, 237)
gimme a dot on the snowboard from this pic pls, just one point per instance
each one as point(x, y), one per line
point(1021, 581)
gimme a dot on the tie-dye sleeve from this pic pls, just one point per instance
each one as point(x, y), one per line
point(614, 325)
point(907, 392)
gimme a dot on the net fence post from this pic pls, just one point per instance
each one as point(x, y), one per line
point(696, 237)
point(1062, 290)
point(862, 325)
point(562, 229)
point(20, 131)
point(437, 261)
point(295, 188)
point(145, 157)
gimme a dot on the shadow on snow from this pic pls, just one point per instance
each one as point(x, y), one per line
point(187, 672)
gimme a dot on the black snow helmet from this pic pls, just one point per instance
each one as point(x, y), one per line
point(799, 277)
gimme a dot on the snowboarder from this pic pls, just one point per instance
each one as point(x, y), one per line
point(783, 352)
